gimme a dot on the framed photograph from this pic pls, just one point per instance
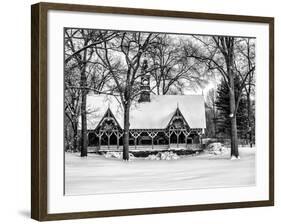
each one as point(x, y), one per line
point(139, 111)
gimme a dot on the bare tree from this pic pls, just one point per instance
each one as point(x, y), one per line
point(213, 113)
point(79, 49)
point(219, 53)
point(172, 72)
point(245, 64)
point(72, 101)
point(122, 57)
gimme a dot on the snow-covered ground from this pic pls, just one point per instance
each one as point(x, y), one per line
point(98, 175)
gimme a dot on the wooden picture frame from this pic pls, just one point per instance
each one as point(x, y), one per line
point(39, 109)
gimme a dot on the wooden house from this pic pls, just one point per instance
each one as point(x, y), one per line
point(157, 122)
point(162, 122)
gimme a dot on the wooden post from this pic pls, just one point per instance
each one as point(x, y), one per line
point(135, 136)
point(116, 133)
point(108, 134)
point(108, 141)
point(168, 134)
point(117, 136)
point(99, 135)
point(152, 136)
point(177, 132)
point(169, 140)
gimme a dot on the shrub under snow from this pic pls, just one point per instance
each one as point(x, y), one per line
point(163, 156)
point(215, 148)
point(167, 155)
point(117, 155)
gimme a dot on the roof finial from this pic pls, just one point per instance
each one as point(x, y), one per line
point(177, 105)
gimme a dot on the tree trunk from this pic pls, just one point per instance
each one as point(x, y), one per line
point(249, 97)
point(75, 136)
point(67, 142)
point(214, 119)
point(215, 127)
point(234, 138)
point(126, 132)
point(249, 117)
point(84, 139)
point(158, 89)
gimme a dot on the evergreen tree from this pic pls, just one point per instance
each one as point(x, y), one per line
point(222, 104)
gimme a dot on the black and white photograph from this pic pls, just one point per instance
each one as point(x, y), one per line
point(148, 111)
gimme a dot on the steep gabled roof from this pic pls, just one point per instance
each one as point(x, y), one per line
point(149, 115)
point(177, 113)
point(108, 113)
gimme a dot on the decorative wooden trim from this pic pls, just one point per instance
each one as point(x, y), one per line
point(39, 110)
point(178, 113)
point(108, 113)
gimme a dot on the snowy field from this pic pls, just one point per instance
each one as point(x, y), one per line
point(96, 174)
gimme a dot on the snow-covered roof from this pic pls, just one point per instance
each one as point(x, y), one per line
point(149, 115)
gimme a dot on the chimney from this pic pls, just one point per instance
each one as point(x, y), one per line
point(145, 84)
